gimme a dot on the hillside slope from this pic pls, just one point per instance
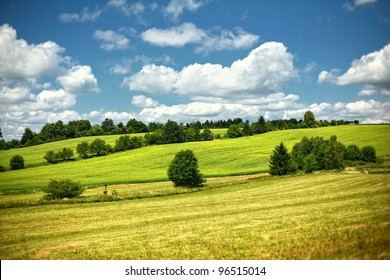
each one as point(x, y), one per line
point(216, 158)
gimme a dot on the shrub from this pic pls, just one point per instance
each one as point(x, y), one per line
point(52, 157)
point(122, 143)
point(66, 154)
point(83, 149)
point(234, 131)
point(369, 154)
point(310, 163)
point(352, 152)
point(183, 170)
point(280, 161)
point(2, 168)
point(62, 189)
point(99, 147)
point(16, 162)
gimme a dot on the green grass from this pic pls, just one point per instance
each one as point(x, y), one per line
point(321, 216)
point(247, 155)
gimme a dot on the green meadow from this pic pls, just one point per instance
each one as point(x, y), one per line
point(246, 155)
point(326, 215)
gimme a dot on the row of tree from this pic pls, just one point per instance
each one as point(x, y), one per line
point(317, 153)
point(79, 128)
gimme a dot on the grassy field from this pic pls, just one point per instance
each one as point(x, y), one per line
point(327, 215)
point(247, 155)
point(322, 216)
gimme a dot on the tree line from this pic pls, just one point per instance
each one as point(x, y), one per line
point(57, 131)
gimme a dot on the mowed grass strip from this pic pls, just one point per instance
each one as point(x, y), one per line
point(246, 155)
point(322, 216)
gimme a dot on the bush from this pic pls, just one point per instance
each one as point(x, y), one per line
point(369, 154)
point(66, 154)
point(183, 170)
point(16, 162)
point(62, 189)
point(83, 149)
point(99, 147)
point(234, 131)
point(52, 157)
point(2, 168)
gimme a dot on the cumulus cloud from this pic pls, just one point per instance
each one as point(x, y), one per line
point(153, 79)
point(207, 41)
point(371, 70)
point(18, 59)
point(176, 8)
point(143, 101)
point(265, 70)
point(79, 79)
point(351, 6)
point(27, 99)
point(84, 16)
point(111, 40)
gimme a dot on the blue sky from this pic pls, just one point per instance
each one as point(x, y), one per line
point(189, 60)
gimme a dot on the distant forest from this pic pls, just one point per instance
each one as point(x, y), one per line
point(57, 131)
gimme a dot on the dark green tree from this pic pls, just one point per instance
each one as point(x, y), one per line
point(369, 154)
point(280, 161)
point(246, 129)
point(234, 131)
point(66, 154)
point(353, 153)
point(310, 163)
point(83, 149)
point(108, 125)
point(16, 162)
point(206, 134)
point(28, 135)
point(183, 170)
point(309, 119)
point(99, 147)
point(52, 157)
point(173, 133)
point(334, 155)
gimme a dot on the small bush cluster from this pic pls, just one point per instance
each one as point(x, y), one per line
point(62, 189)
point(97, 147)
point(317, 153)
point(55, 157)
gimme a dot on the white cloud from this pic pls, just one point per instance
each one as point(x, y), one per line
point(265, 70)
point(328, 77)
point(58, 99)
point(227, 40)
point(371, 70)
point(207, 41)
point(309, 67)
point(18, 59)
point(153, 79)
point(79, 79)
point(111, 40)
point(176, 8)
point(177, 36)
point(143, 101)
point(351, 6)
point(84, 16)
point(119, 69)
